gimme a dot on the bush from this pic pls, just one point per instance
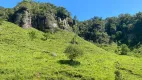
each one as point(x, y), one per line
point(46, 36)
point(73, 51)
point(1, 21)
point(124, 49)
point(52, 30)
point(118, 75)
point(74, 41)
point(32, 35)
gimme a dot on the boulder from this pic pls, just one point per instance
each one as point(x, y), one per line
point(54, 54)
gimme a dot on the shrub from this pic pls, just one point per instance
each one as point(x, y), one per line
point(73, 51)
point(124, 49)
point(74, 41)
point(32, 35)
point(118, 75)
point(52, 30)
point(46, 36)
point(1, 21)
point(61, 25)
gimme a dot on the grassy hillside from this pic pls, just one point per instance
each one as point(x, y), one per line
point(24, 59)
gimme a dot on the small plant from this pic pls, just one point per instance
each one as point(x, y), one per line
point(118, 75)
point(73, 51)
point(32, 35)
point(1, 21)
point(73, 41)
point(55, 30)
point(61, 25)
point(52, 30)
point(46, 36)
point(124, 49)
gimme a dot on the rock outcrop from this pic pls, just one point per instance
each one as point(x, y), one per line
point(64, 24)
point(22, 17)
point(26, 19)
point(43, 22)
point(41, 17)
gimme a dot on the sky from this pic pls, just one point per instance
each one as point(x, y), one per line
point(86, 9)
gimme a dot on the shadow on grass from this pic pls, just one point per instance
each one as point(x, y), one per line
point(69, 62)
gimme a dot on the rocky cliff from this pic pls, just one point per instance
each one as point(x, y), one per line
point(41, 16)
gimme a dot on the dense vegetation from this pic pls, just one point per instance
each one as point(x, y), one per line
point(124, 29)
point(47, 48)
point(41, 16)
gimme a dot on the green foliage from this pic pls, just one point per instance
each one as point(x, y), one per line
point(1, 21)
point(32, 35)
point(61, 25)
point(52, 30)
point(124, 49)
point(28, 0)
point(15, 47)
point(74, 41)
point(125, 28)
point(75, 29)
point(46, 36)
point(43, 15)
point(73, 51)
point(48, 33)
point(62, 13)
point(75, 21)
point(113, 47)
point(18, 16)
point(94, 29)
point(23, 59)
point(5, 13)
point(118, 75)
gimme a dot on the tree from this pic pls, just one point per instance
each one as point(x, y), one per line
point(73, 51)
point(124, 49)
point(28, 0)
point(75, 20)
point(62, 13)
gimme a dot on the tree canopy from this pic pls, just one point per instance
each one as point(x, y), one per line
point(125, 28)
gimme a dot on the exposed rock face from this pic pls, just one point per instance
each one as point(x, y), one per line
point(63, 24)
point(22, 17)
point(42, 16)
point(43, 22)
point(40, 21)
point(26, 20)
point(51, 22)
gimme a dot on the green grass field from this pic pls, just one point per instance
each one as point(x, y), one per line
point(24, 59)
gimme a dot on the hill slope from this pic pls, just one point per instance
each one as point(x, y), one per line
point(22, 58)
